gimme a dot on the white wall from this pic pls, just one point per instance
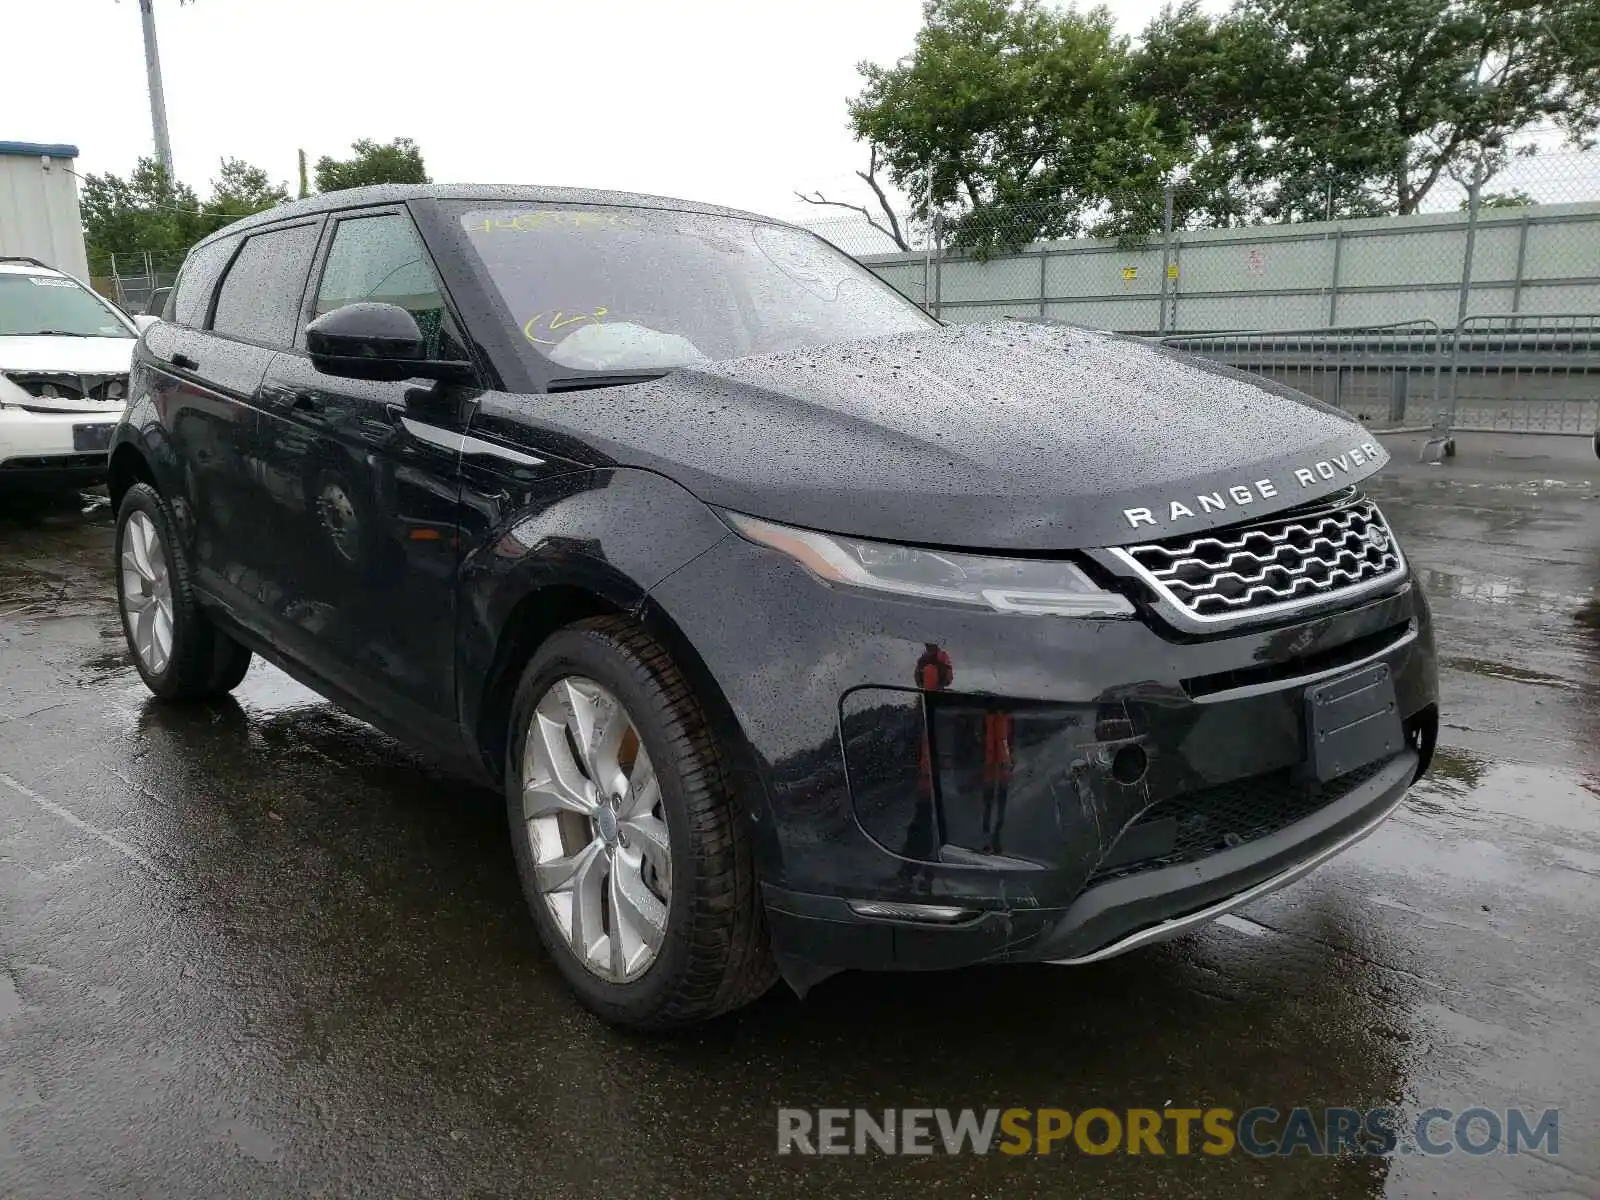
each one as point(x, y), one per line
point(39, 214)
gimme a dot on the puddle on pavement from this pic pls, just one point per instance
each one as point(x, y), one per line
point(24, 589)
point(1499, 589)
point(1499, 670)
point(1462, 784)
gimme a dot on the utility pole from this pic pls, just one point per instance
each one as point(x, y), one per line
point(158, 101)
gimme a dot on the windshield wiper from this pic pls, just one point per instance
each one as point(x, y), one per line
point(603, 379)
point(52, 333)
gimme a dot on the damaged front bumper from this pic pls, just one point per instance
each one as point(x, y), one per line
point(932, 787)
point(1106, 919)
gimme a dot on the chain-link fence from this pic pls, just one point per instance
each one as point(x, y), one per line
point(132, 277)
point(1461, 309)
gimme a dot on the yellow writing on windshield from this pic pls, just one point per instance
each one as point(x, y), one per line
point(553, 319)
point(555, 218)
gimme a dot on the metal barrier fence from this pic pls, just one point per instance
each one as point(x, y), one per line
point(1511, 373)
point(1390, 376)
point(1526, 373)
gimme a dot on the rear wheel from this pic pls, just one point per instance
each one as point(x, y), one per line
point(180, 655)
point(633, 861)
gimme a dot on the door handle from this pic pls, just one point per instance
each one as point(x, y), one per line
point(183, 362)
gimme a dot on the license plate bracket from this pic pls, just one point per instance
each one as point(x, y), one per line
point(88, 438)
point(1352, 721)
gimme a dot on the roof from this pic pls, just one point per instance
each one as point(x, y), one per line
point(39, 149)
point(398, 193)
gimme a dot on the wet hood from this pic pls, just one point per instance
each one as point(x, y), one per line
point(1005, 436)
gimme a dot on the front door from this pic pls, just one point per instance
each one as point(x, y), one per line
point(367, 483)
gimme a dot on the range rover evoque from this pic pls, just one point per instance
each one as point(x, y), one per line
point(802, 632)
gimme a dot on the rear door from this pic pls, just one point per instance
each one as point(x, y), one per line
point(253, 316)
point(206, 431)
point(237, 297)
point(368, 484)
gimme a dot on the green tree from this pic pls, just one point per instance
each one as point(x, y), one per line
point(1208, 80)
point(144, 212)
point(1516, 198)
point(1024, 120)
point(400, 161)
point(239, 190)
point(1402, 93)
point(148, 213)
point(1013, 114)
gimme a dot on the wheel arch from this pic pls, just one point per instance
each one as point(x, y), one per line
point(128, 466)
point(544, 610)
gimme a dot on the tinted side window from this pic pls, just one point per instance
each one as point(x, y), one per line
point(382, 259)
point(197, 280)
point(260, 298)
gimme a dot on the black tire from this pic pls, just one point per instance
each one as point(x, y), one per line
point(715, 955)
point(204, 662)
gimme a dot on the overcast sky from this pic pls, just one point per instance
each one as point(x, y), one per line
point(734, 101)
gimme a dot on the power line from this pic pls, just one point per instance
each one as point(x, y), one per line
point(188, 212)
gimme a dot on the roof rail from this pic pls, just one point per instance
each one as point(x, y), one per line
point(23, 258)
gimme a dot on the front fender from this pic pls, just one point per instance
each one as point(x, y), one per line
point(142, 432)
point(534, 549)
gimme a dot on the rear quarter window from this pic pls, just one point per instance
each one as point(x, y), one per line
point(192, 297)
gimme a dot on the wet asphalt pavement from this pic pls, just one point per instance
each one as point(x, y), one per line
point(260, 949)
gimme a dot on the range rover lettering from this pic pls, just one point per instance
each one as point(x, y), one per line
point(802, 632)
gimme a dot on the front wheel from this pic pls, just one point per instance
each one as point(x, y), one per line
point(180, 655)
point(633, 860)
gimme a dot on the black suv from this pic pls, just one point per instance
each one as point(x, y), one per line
point(802, 632)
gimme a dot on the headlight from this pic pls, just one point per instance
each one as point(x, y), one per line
point(10, 393)
point(1045, 587)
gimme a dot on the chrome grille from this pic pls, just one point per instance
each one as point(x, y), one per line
point(1246, 572)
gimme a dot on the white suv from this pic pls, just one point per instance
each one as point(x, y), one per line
point(64, 355)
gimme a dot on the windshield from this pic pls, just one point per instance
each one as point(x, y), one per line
point(631, 289)
point(53, 304)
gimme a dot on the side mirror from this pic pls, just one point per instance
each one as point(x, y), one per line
point(143, 321)
point(374, 341)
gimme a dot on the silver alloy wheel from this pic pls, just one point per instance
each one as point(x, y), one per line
point(146, 592)
point(591, 804)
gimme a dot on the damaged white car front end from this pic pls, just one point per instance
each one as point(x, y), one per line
point(64, 356)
